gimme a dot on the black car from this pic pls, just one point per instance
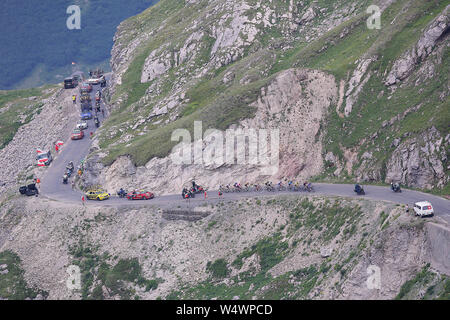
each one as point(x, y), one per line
point(29, 190)
point(86, 106)
point(70, 83)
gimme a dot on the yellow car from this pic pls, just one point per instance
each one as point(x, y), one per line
point(97, 195)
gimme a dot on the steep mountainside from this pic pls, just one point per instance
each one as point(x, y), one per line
point(351, 102)
point(282, 247)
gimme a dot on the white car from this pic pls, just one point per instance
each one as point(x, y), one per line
point(423, 209)
point(82, 124)
point(94, 80)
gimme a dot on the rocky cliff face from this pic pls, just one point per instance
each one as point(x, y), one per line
point(419, 161)
point(238, 64)
point(295, 103)
point(313, 262)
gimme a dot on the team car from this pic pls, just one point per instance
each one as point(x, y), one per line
point(82, 124)
point(95, 80)
point(86, 115)
point(140, 195)
point(77, 134)
point(423, 209)
point(85, 87)
point(97, 194)
point(44, 158)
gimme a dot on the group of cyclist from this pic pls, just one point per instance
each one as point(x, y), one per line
point(268, 186)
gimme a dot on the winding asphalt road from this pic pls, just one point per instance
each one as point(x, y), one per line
point(53, 188)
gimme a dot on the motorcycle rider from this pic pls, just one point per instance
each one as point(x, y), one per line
point(395, 186)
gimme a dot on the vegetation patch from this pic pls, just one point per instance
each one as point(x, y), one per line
point(98, 272)
point(13, 285)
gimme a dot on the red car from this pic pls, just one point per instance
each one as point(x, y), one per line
point(85, 87)
point(140, 195)
point(77, 134)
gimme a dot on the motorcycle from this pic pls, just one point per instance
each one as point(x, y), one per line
point(69, 169)
point(197, 189)
point(122, 193)
point(186, 194)
point(359, 190)
point(65, 178)
point(396, 187)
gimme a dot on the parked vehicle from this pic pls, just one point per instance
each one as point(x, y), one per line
point(86, 115)
point(94, 81)
point(77, 134)
point(86, 106)
point(423, 209)
point(140, 195)
point(97, 194)
point(85, 87)
point(70, 83)
point(29, 190)
point(96, 76)
point(44, 158)
point(82, 124)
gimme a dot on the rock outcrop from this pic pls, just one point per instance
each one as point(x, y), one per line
point(434, 33)
point(420, 161)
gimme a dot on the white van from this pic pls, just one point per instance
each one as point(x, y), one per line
point(423, 209)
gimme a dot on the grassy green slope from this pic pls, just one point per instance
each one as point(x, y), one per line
point(337, 52)
point(16, 109)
